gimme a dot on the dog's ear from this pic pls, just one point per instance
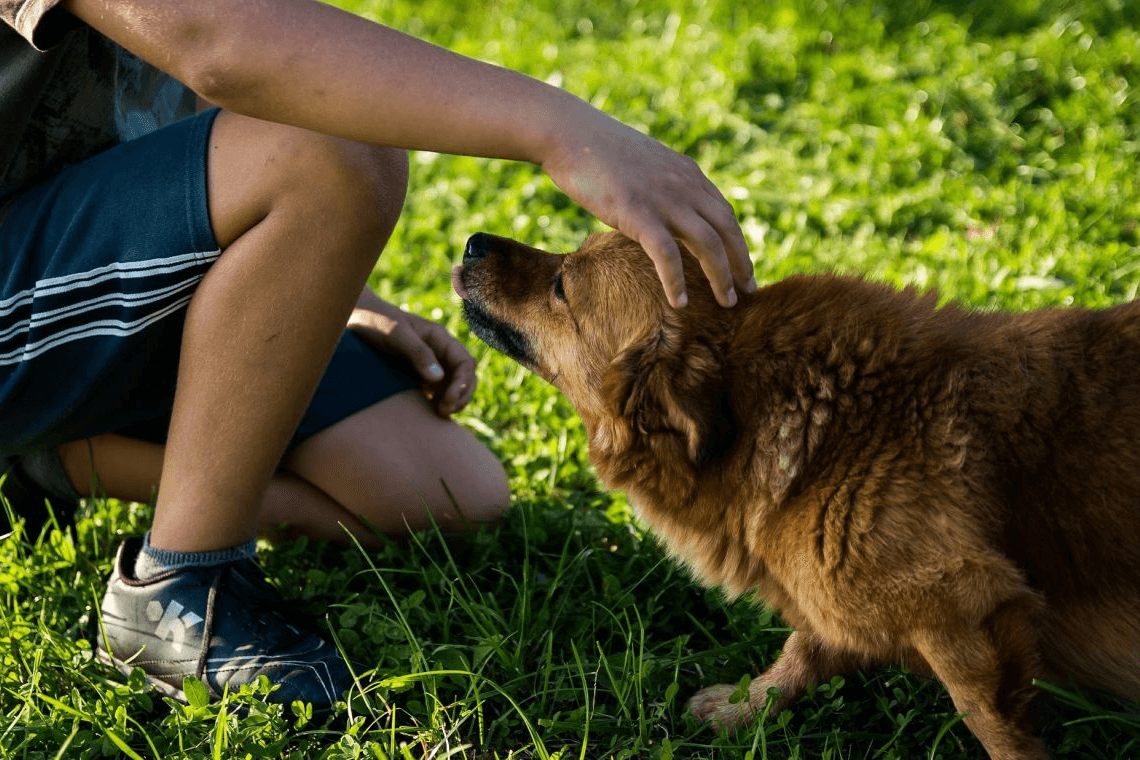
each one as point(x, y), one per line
point(666, 390)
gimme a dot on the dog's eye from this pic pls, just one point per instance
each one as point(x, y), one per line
point(559, 291)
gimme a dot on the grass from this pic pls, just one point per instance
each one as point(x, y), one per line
point(988, 150)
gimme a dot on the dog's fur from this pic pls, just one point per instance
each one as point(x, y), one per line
point(957, 491)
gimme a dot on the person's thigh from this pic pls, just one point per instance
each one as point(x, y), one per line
point(102, 260)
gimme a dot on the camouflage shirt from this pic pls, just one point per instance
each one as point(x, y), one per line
point(67, 92)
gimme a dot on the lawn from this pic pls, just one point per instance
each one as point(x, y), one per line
point(986, 150)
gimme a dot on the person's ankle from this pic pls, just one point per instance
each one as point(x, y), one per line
point(152, 561)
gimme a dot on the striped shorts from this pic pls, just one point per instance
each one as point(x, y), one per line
point(97, 266)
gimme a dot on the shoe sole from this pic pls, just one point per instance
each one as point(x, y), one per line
point(125, 668)
point(319, 711)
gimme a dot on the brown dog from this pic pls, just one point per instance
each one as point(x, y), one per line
point(902, 482)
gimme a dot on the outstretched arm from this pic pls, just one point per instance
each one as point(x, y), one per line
point(310, 65)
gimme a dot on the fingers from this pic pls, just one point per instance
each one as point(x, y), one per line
point(396, 336)
point(657, 196)
point(712, 234)
point(721, 251)
point(704, 242)
point(446, 367)
point(722, 219)
point(458, 388)
point(681, 203)
point(666, 257)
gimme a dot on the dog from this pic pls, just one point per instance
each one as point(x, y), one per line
point(901, 481)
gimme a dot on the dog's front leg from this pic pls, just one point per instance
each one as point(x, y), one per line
point(989, 672)
point(804, 661)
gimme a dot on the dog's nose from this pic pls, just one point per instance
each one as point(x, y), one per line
point(478, 246)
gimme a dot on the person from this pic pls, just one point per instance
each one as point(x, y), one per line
point(177, 287)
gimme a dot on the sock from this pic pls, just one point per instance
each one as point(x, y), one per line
point(151, 561)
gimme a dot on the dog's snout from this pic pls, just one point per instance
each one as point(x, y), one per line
point(478, 246)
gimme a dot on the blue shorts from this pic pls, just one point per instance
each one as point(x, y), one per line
point(98, 265)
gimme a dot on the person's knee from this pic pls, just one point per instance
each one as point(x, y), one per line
point(377, 177)
point(258, 168)
point(482, 493)
point(459, 484)
point(402, 468)
point(350, 183)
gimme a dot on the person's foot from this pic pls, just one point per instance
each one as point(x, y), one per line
point(224, 625)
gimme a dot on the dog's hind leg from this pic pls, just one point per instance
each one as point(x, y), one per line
point(989, 672)
point(805, 660)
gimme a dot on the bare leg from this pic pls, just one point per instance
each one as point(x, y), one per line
point(384, 464)
point(301, 219)
point(293, 507)
point(128, 469)
point(402, 468)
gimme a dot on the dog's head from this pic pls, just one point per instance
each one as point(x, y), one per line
point(596, 324)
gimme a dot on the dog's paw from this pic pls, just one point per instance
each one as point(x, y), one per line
point(722, 706)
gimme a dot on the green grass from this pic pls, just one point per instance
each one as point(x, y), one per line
point(988, 150)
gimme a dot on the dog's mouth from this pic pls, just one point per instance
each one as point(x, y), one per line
point(457, 282)
point(494, 332)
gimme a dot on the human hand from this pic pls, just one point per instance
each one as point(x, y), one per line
point(448, 370)
point(654, 196)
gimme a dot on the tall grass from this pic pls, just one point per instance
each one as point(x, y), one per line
point(986, 150)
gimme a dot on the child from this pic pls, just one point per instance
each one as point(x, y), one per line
point(177, 287)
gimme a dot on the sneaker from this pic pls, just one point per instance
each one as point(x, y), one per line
point(224, 625)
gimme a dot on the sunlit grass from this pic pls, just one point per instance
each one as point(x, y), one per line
point(986, 150)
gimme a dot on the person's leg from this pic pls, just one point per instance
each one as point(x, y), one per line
point(385, 464)
point(301, 219)
point(270, 252)
point(400, 467)
point(129, 469)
